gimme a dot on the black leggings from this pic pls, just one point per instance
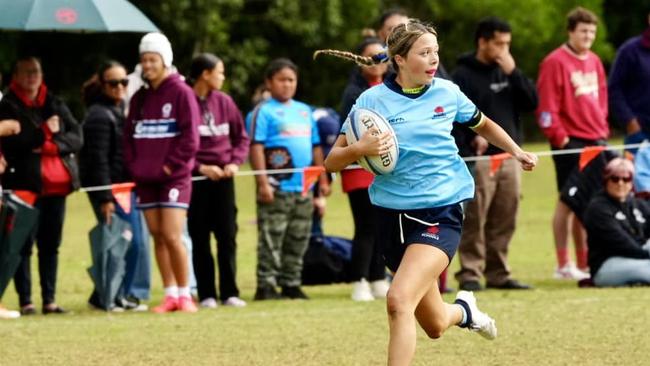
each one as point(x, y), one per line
point(367, 261)
point(213, 211)
point(48, 240)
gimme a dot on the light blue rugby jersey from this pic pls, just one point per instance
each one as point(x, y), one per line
point(429, 171)
point(289, 133)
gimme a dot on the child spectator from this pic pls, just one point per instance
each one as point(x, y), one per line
point(223, 148)
point(284, 135)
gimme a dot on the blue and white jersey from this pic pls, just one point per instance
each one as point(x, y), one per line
point(429, 171)
point(289, 133)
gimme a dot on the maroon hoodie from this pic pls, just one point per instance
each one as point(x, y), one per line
point(161, 130)
point(222, 130)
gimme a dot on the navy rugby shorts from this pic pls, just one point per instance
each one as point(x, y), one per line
point(439, 227)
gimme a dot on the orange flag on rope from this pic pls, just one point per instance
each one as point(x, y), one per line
point(629, 156)
point(310, 176)
point(588, 154)
point(496, 161)
point(122, 195)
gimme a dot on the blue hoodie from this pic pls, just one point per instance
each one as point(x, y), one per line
point(629, 82)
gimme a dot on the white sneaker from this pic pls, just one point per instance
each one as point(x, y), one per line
point(209, 303)
point(141, 308)
point(379, 288)
point(570, 272)
point(234, 301)
point(480, 322)
point(361, 291)
point(9, 314)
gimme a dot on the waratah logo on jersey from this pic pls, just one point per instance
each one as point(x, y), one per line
point(439, 112)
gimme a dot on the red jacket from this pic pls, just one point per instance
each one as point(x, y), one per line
point(572, 97)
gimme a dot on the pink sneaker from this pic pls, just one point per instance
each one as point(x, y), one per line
point(169, 304)
point(187, 305)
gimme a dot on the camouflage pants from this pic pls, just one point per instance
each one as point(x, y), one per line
point(284, 227)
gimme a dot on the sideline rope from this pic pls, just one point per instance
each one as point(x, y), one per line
point(565, 152)
point(299, 170)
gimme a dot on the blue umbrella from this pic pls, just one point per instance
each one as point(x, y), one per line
point(108, 247)
point(17, 222)
point(73, 16)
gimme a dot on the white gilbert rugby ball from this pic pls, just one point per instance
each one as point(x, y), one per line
point(361, 120)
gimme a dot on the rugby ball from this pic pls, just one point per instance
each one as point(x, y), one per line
point(360, 121)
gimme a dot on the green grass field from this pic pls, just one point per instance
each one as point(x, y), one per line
point(555, 324)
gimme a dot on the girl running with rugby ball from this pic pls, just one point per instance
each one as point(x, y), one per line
point(419, 213)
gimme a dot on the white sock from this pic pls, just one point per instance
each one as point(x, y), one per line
point(171, 291)
point(464, 320)
point(184, 291)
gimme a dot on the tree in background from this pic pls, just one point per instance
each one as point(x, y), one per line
point(249, 33)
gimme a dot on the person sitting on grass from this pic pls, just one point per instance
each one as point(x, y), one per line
point(618, 230)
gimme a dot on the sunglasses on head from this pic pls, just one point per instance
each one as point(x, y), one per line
point(114, 83)
point(616, 179)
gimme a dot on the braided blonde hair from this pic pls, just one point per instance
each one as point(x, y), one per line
point(346, 55)
point(399, 42)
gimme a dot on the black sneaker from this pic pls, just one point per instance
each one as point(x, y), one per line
point(471, 286)
point(127, 303)
point(510, 285)
point(293, 293)
point(56, 309)
point(28, 310)
point(266, 293)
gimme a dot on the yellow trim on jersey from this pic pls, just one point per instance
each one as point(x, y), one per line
point(415, 90)
point(481, 121)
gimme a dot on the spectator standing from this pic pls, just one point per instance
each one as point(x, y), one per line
point(572, 113)
point(102, 164)
point(161, 140)
point(629, 85)
point(284, 135)
point(328, 124)
point(368, 271)
point(490, 78)
point(223, 148)
point(42, 170)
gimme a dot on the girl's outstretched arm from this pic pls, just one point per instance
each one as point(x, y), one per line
point(499, 138)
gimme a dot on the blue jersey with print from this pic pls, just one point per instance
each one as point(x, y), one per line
point(288, 133)
point(429, 172)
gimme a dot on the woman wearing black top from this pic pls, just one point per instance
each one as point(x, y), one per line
point(102, 164)
point(618, 230)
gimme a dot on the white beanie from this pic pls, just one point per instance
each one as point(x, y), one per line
point(157, 43)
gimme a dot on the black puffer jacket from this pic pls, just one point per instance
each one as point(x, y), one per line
point(101, 159)
point(616, 229)
point(23, 162)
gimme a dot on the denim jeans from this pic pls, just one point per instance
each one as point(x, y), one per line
point(620, 271)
